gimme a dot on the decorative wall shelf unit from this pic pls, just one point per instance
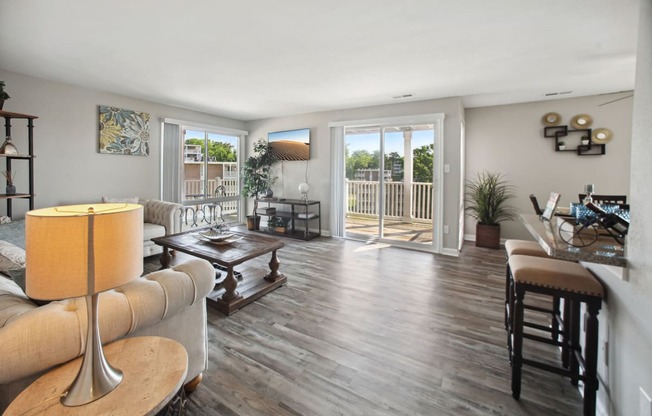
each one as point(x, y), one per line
point(300, 213)
point(29, 157)
point(559, 132)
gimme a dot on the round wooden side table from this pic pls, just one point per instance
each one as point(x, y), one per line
point(153, 368)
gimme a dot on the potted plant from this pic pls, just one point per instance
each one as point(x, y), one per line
point(562, 145)
point(257, 177)
point(3, 95)
point(585, 140)
point(278, 224)
point(487, 196)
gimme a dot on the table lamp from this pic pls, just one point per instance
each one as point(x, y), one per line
point(304, 188)
point(82, 250)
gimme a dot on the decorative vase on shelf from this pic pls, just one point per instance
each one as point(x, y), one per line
point(8, 147)
point(11, 190)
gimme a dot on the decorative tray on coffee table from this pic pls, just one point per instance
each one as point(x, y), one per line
point(216, 237)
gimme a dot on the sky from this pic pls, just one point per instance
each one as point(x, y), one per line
point(393, 141)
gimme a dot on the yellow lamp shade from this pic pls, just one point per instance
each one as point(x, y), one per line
point(80, 250)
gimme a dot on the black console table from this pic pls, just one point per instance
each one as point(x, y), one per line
point(300, 215)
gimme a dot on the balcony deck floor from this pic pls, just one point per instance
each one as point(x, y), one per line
point(365, 227)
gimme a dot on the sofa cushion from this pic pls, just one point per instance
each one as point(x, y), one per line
point(152, 230)
point(13, 301)
point(11, 257)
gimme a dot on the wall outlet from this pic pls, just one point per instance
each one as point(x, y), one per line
point(605, 353)
point(447, 168)
point(446, 229)
point(645, 403)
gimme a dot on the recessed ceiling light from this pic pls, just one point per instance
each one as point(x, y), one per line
point(399, 97)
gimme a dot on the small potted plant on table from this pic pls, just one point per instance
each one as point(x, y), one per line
point(278, 224)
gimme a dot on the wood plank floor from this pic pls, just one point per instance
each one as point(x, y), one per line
point(373, 330)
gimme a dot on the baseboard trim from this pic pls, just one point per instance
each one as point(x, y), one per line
point(450, 252)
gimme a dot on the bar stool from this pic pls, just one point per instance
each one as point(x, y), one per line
point(575, 285)
point(528, 248)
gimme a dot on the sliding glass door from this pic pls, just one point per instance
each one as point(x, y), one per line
point(390, 172)
point(210, 175)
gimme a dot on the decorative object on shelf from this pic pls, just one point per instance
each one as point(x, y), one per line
point(551, 119)
point(585, 140)
point(267, 193)
point(581, 121)
point(487, 196)
point(602, 135)
point(123, 132)
point(9, 176)
point(8, 147)
point(562, 145)
point(589, 190)
point(92, 237)
point(3, 95)
point(257, 177)
point(304, 188)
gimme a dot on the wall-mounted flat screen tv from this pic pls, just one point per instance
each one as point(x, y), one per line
point(291, 144)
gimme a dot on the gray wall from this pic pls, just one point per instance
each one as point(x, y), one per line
point(68, 167)
point(629, 302)
point(509, 139)
point(292, 173)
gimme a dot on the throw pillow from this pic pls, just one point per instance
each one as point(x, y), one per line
point(11, 257)
point(126, 200)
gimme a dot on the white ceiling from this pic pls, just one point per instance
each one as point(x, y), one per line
point(253, 59)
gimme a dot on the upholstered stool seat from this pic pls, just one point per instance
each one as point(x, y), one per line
point(575, 285)
point(528, 248)
point(524, 247)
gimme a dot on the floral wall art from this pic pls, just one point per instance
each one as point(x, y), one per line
point(123, 132)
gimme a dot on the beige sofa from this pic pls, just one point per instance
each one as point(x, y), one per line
point(169, 303)
point(161, 218)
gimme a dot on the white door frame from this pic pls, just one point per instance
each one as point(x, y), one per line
point(437, 119)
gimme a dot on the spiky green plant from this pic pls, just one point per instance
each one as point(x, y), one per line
point(487, 196)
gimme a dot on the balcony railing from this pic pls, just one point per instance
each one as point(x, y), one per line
point(362, 200)
point(194, 190)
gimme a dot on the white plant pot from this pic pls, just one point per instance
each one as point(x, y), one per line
point(562, 147)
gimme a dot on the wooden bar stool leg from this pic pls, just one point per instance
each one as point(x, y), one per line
point(565, 351)
point(517, 356)
point(574, 347)
point(508, 275)
point(591, 359)
point(554, 328)
point(510, 323)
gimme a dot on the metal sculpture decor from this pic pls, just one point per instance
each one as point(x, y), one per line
point(583, 230)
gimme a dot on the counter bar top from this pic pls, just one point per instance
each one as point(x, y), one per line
point(604, 251)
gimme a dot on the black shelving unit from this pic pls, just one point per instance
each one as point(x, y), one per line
point(29, 157)
point(300, 213)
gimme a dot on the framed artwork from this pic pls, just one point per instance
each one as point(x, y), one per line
point(551, 206)
point(123, 132)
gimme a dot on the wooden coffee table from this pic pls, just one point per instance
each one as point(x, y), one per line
point(225, 296)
